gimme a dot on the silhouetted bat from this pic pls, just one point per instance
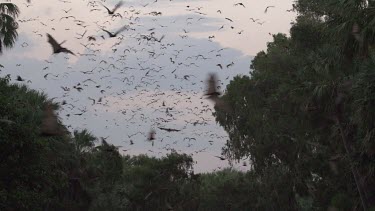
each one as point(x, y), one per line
point(57, 48)
point(116, 33)
point(118, 5)
point(169, 129)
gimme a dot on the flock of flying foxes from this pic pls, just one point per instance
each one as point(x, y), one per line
point(50, 124)
point(57, 48)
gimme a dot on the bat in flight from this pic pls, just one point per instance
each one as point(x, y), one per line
point(118, 5)
point(266, 10)
point(116, 33)
point(151, 135)
point(212, 87)
point(57, 48)
point(213, 94)
point(169, 129)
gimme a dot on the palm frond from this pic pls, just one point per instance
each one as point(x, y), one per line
point(8, 31)
point(9, 9)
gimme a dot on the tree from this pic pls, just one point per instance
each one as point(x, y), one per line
point(299, 109)
point(83, 140)
point(34, 170)
point(160, 184)
point(8, 26)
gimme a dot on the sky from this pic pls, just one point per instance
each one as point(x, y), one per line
point(153, 74)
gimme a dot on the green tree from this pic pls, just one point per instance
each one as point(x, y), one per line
point(8, 25)
point(306, 106)
point(35, 171)
point(83, 140)
point(160, 184)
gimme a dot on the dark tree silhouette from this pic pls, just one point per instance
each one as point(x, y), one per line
point(8, 26)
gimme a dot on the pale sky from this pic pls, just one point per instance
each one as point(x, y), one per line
point(133, 76)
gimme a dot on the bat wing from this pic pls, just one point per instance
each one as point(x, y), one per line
point(118, 5)
point(169, 129)
point(53, 43)
point(120, 30)
point(109, 33)
point(67, 51)
point(221, 158)
point(162, 37)
point(106, 8)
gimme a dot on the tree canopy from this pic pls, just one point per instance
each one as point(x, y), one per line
point(307, 106)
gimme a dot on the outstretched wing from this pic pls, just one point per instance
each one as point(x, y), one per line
point(266, 10)
point(120, 30)
point(109, 33)
point(169, 129)
point(53, 43)
point(109, 11)
point(162, 37)
point(67, 51)
point(221, 158)
point(118, 5)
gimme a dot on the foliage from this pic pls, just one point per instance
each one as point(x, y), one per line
point(8, 25)
point(159, 184)
point(33, 168)
point(307, 106)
